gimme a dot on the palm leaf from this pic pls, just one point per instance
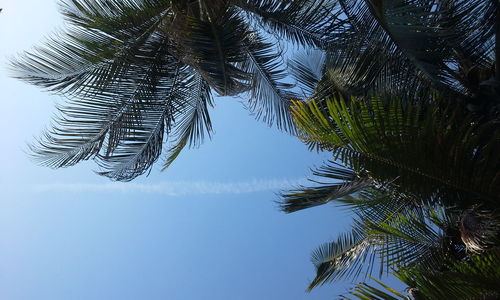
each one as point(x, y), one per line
point(345, 183)
point(302, 22)
point(417, 45)
point(85, 57)
point(307, 69)
point(349, 256)
point(476, 278)
point(393, 238)
point(213, 48)
point(364, 291)
point(194, 120)
point(118, 63)
point(269, 97)
point(421, 152)
point(129, 140)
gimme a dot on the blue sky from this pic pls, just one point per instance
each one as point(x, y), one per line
point(207, 228)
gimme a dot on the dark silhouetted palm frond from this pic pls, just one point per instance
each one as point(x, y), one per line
point(411, 49)
point(137, 72)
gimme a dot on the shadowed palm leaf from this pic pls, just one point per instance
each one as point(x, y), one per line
point(403, 236)
point(475, 278)
point(411, 49)
point(346, 183)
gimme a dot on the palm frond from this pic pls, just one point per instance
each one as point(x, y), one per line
point(302, 22)
point(194, 120)
point(425, 151)
point(214, 49)
point(308, 69)
point(141, 146)
point(123, 123)
point(112, 16)
point(374, 202)
point(349, 256)
point(386, 240)
point(409, 239)
point(269, 97)
point(345, 183)
point(364, 291)
point(86, 58)
point(418, 45)
point(474, 279)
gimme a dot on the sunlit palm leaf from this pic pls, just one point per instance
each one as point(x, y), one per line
point(425, 151)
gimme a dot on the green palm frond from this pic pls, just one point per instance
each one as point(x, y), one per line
point(474, 279)
point(410, 239)
point(374, 202)
point(418, 160)
point(424, 150)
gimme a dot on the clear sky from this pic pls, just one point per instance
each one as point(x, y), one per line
point(207, 228)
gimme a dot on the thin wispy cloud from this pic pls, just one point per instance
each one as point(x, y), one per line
point(175, 188)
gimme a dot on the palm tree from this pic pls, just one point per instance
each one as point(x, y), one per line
point(394, 163)
point(412, 50)
point(138, 72)
point(429, 142)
